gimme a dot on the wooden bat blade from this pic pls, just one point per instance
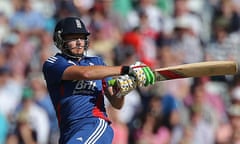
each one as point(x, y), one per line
point(209, 68)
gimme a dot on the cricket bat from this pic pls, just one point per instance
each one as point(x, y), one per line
point(200, 69)
point(209, 68)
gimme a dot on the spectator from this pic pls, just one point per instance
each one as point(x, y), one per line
point(234, 117)
point(10, 92)
point(202, 131)
point(27, 19)
point(187, 43)
point(35, 116)
point(152, 130)
point(42, 99)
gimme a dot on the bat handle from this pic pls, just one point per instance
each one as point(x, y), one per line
point(112, 82)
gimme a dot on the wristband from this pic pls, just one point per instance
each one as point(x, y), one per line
point(125, 70)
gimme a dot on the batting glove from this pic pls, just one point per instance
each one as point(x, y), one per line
point(124, 84)
point(142, 73)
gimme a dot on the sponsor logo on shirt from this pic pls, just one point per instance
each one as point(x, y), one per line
point(84, 87)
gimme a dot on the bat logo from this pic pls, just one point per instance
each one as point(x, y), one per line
point(168, 74)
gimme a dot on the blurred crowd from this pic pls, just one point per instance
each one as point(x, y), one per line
point(160, 33)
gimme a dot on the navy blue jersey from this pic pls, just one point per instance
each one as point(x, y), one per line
point(74, 99)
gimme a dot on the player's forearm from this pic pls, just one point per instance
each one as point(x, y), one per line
point(90, 72)
point(116, 102)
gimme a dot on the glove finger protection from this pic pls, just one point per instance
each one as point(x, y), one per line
point(143, 74)
point(124, 84)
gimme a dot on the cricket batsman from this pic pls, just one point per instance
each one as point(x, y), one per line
point(77, 84)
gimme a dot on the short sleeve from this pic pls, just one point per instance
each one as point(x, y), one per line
point(53, 69)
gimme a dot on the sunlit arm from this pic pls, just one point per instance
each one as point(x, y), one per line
point(90, 72)
point(116, 102)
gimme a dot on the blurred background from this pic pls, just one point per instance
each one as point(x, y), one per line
point(159, 33)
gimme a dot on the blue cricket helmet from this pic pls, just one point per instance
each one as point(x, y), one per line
point(69, 26)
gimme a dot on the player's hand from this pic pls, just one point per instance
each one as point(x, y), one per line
point(123, 85)
point(143, 74)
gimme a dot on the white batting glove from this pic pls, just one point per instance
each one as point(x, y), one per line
point(143, 74)
point(124, 84)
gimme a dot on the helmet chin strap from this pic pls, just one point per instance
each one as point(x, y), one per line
point(66, 51)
